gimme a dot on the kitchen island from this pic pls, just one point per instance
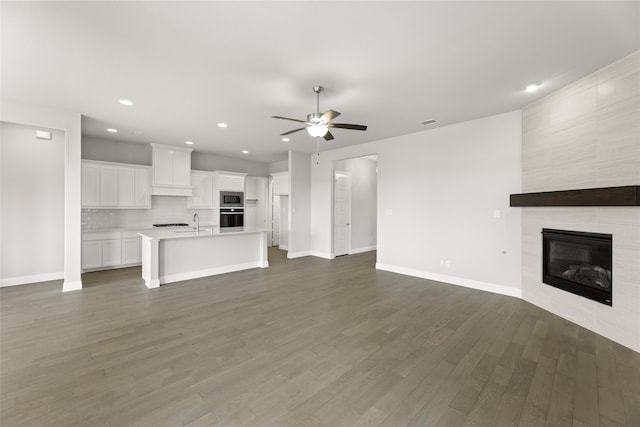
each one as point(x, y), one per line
point(172, 255)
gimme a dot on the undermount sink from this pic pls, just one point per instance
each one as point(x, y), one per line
point(193, 230)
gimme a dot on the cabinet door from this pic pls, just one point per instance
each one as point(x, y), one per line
point(251, 188)
point(92, 254)
point(111, 252)
point(231, 182)
point(142, 189)
point(181, 168)
point(202, 191)
point(162, 166)
point(108, 186)
point(90, 182)
point(126, 184)
point(131, 250)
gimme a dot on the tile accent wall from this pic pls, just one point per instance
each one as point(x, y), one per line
point(165, 209)
point(587, 135)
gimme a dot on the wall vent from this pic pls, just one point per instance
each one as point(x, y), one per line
point(428, 122)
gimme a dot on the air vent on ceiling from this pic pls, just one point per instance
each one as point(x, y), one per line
point(428, 122)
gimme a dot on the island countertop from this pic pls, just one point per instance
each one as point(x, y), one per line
point(205, 231)
point(182, 253)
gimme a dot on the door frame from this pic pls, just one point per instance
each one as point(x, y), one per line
point(333, 216)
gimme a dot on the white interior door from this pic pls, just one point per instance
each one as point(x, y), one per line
point(275, 221)
point(342, 213)
point(284, 223)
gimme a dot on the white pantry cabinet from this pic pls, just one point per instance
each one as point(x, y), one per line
point(202, 190)
point(108, 185)
point(171, 170)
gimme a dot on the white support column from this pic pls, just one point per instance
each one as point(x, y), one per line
point(150, 262)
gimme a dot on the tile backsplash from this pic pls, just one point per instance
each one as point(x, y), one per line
point(165, 209)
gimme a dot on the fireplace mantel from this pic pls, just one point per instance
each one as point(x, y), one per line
point(609, 196)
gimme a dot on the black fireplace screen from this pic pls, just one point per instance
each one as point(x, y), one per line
point(578, 262)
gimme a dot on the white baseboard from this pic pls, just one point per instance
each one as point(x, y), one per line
point(363, 249)
point(178, 277)
point(453, 280)
point(25, 280)
point(283, 247)
point(321, 255)
point(291, 255)
point(68, 286)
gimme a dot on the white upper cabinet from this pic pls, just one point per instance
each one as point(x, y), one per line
point(171, 170)
point(90, 184)
point(115, 186)
point(202, 190)
point(108, 186)
point(231, 181)
point(280, 183)
point(142, 187)
point(254, 188)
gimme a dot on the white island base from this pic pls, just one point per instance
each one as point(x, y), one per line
point(172, 256)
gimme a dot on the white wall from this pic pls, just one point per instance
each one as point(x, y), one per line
point(364, 202)
point(442, 187)
point(32, 200)
point(70, 123)
point(281, 166)
point(140, 154)
point(299, 204)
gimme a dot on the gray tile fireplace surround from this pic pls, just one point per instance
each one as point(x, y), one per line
point(621, 321)
point(586, 136)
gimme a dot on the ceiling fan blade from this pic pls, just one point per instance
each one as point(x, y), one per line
point(292, 131)
point(328, 136)
point(287, 118)
point(329, 115)
point(347, 126)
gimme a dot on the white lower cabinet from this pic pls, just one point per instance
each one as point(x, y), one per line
point(131, 251)
point(91, 254)
point(108, 249)
point(111, 252)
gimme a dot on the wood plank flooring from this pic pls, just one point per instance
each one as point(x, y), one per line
point(306, 342)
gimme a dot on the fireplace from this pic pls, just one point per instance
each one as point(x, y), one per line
point(578, 262)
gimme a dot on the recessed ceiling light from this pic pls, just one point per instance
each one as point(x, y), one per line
point(532, 87)
point(189, 142)
point(428, 122)
point(285, 140)
point(126, 102)
point(245, 152)
point(112, 130)
point(222, 125)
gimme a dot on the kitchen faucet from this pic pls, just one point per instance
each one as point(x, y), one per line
point(196, 218)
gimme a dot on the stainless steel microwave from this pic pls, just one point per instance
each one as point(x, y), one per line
point(231, 199)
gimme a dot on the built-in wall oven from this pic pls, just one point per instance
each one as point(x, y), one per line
point(231, 217)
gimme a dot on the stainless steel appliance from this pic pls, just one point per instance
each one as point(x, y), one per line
point(231, 199)
point(231, 217)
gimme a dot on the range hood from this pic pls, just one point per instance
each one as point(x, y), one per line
point(171, 171)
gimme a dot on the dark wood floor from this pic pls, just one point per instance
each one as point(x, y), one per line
point(306, 342)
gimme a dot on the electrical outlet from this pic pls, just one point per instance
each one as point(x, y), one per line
point(441, 263)
point(447, 264)
point(496, 213)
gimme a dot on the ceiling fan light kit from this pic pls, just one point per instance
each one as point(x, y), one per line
point(317, 125)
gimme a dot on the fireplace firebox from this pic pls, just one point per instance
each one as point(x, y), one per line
point(579, 263)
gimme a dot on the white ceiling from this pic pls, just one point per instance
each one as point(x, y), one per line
point(386, 64)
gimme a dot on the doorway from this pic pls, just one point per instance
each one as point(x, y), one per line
point(355, 205)
point(341, 213)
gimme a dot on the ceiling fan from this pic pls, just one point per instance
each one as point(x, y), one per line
point(317, 124)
